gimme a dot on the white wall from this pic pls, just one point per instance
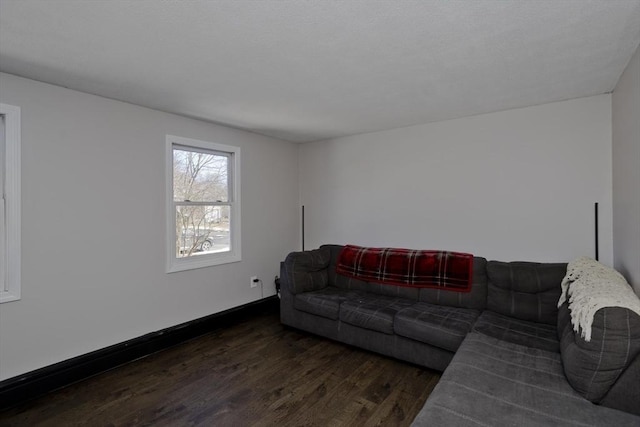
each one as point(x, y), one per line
point(93, 263)
point(513, 185)
point(626, 173)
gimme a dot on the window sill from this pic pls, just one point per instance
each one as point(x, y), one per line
point(201, 262)
point(6, 296)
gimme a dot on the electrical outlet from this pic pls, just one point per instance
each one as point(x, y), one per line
point(254, 281)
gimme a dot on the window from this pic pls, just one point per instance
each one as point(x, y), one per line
point(10, 203)
point(203, 204)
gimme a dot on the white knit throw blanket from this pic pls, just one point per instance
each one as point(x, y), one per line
point(591, 286)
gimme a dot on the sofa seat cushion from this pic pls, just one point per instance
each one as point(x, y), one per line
point(438, 325)
point(324, 302)
point(531, 334)
point(491, 382)
point(375, 312)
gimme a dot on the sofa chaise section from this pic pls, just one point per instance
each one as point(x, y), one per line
point(525, 365)
point(492, 382)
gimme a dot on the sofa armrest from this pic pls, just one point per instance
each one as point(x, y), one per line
point(594, 367)
point(625, 393)
point(305, 271)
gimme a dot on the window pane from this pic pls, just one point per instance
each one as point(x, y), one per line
point(202, 230)
point(200, 176)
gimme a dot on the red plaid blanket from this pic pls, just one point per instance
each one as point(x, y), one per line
point(452, 271)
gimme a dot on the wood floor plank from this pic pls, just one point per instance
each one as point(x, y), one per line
point(255, 373)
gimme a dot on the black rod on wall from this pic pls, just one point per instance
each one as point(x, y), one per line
point(596, 229)
point(303, 227)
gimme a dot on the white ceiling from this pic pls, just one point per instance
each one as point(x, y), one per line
point(309, 70)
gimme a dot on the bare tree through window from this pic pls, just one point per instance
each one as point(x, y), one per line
point(201, 195)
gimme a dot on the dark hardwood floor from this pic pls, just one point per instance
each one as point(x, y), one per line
point(254, 373)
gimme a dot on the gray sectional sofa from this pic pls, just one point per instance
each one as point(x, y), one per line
point(509, 355)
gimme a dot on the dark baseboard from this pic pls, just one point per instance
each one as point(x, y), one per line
point(31, 385)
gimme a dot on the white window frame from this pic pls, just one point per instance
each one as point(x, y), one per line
point(174, 263)
point(10, 207)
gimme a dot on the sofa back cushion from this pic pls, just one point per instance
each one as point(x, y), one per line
point(593, 367)
point(306, 271)
point(476, 299)
point(525, 290)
